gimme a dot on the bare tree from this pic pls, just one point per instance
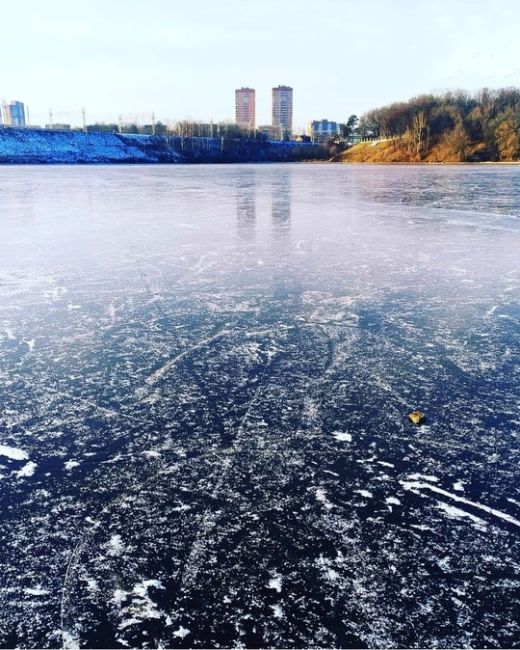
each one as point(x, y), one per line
point(418, 132)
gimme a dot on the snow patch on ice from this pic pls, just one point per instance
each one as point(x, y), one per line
point(321, 496)
point(119, 596)
point(457, 513)
point(182, 508)
point(69, 641)
point(332, 575)
point(115, 545)
point(151, 453)
point(141, 588)
point(10, 334)
point(140, 607)
point(342, 436)
point(275, 583)
point(182, 632)
point(421, 527)
point(36, 591)
point(13, 452)
point(55, 293)
point(424, 477)
point(27, 470)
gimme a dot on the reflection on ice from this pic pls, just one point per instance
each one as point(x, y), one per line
point(246, 203)
point(281, 201)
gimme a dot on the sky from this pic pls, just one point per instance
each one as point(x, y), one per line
point(183, 59)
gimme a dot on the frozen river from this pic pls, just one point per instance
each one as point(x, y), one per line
point(205, 376)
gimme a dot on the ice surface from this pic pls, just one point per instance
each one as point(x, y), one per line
point(213, 449)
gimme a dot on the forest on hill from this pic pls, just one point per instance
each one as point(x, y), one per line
point(451, 127)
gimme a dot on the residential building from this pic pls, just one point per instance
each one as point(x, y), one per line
point(245, 108)
point(15, 114)
point(322, 130)
point(283, 109)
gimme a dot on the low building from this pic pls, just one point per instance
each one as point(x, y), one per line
point(322, 130)
point(56, 126)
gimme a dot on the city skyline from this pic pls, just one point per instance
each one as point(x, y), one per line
point(180, 61)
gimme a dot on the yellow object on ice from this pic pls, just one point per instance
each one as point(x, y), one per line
point(417, 417)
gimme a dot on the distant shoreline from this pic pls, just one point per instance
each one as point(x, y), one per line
point(398, 150)
point(47, 147)
point(425, 163)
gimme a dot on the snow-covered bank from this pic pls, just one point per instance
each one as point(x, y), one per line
point(35, 146)
point(40, 146)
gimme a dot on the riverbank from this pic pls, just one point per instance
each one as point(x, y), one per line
point(398, 150)
point(46, 147)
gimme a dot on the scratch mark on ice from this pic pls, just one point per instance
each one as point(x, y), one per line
point(165, 369)
point(416, 487)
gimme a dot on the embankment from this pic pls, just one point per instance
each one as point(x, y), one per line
point(398, 150)
point(40, 146)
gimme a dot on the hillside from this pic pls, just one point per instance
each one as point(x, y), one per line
point(396, 150)
point(452, 127)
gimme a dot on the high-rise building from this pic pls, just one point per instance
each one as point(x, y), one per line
point(283, 109)
point(4, 116)
point(15, 114)
point(245, 107)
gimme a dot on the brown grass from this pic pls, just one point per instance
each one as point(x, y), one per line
point(399, 151)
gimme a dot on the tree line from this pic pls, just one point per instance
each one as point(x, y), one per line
point(480, 126)
point(185, 128)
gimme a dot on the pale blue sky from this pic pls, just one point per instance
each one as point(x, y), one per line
point(185, 58)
